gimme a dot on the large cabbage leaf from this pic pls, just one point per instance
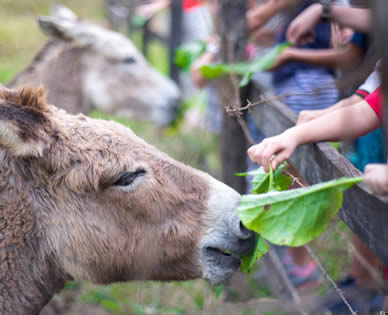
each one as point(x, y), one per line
point(294, 217)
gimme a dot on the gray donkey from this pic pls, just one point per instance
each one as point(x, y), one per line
point(85, 67)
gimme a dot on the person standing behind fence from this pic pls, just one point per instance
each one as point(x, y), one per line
point(361, 118)
point(309, 87)
point(360, 283)
point(197, 25)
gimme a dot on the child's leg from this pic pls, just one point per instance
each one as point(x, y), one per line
point(300, 256)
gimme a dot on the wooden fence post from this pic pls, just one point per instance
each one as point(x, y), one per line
point(146, 38)
point(233, 29)
point(175, 36)
point(380, 33)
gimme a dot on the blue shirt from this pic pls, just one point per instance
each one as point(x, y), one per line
point(321, 41)
point(361, 40)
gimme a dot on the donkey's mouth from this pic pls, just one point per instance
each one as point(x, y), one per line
point(218, 253)
point(218, 264)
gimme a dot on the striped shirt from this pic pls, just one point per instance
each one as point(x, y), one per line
point(308, 89)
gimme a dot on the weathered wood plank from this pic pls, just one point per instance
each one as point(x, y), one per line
point(364, 213)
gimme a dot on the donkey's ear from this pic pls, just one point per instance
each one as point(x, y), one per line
point(59, 11)
point(66, 29)
point(25, 127)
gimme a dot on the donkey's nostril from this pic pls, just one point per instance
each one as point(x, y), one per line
point(245, 233)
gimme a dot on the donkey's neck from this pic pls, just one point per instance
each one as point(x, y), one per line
point(28, 277)
point(27, 290)
point(59, 67)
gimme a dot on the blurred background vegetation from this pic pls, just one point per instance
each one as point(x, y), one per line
point(20, 39)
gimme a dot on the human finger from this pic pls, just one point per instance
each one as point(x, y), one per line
point(268, 153)
point(254, 153)
point(280, 158)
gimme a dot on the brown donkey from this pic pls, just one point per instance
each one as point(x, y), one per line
point(87, 199)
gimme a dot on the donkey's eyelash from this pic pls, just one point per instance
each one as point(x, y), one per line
point(129, 60)
point(128, 178)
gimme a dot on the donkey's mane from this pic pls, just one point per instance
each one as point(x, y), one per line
point(28, 97)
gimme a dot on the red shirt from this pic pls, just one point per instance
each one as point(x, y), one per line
point(191, 4)
point(375, 100)
point(385, 271)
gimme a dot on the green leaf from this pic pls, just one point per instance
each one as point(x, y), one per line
point(218, 290)
point(261, 179)
point(281, 181)
point(336, 145)
point(245, 69)
point(186, 54)
point(138, 21)
point(261, 249)
point(294, 217)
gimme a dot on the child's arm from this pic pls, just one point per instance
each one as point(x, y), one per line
point(368, 87)
point(208, 57)
point(303, 24)
point(261, 14)
point(150, 9)
point(333, 58)
point(307, 115)
point(376, 177)
point(343, 124)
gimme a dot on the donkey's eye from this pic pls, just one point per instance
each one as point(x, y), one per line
point(128, 178)
point(128, 60)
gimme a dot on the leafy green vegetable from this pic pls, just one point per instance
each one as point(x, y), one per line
point(336, 145)
point(138, 21)
point(294, 217)
point(287, 217)
point(261, 248)
point(245, 69)
point(261, 179)
point(186, 54)
point(264, 182)
point(218, 290)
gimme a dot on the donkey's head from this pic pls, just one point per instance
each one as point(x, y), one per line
point(100, 204)
point(116, 77)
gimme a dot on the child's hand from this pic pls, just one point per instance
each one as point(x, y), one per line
point(376, 177)
point(302, 26)
point(284, 57)
point(282, 146)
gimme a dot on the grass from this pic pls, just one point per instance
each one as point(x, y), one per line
point(20, 40)
point(19, 32)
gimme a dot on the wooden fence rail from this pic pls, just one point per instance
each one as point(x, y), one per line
point(364, 213)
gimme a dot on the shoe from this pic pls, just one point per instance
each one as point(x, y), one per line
point(365, 300)
point(302, 277)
